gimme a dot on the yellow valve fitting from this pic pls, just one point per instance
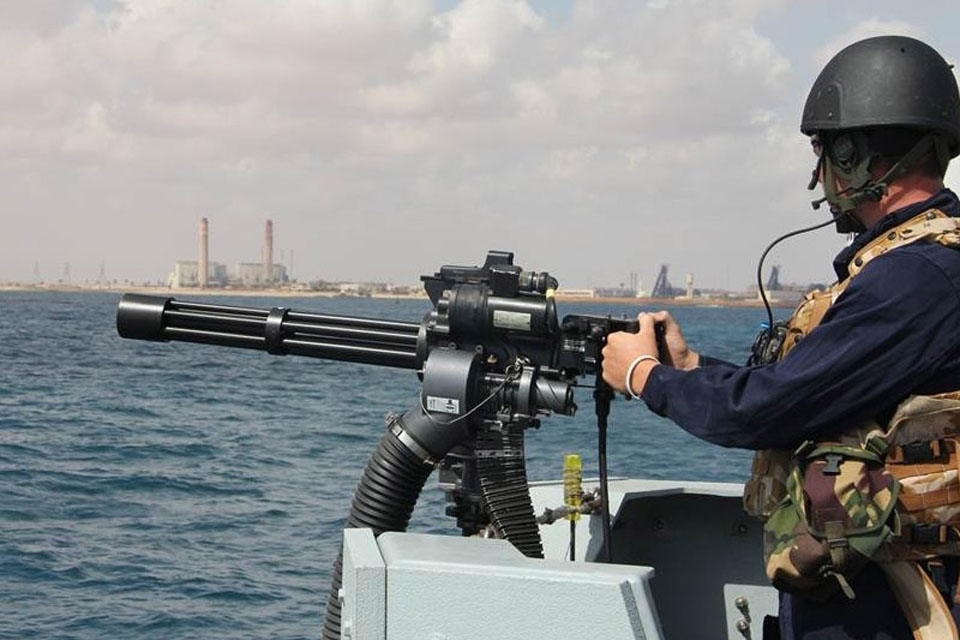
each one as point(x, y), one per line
point(550, 293)
point(572, 484)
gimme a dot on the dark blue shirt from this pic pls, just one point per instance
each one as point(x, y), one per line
point(895, 331)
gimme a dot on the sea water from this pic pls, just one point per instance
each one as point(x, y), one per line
point(171, 490)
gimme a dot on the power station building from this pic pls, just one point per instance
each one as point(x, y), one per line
point(250, 274)
point(186, 273)
point(202, 273)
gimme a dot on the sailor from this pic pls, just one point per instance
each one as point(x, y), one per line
point(856, 361)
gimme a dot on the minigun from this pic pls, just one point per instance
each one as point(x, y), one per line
point(493, 359)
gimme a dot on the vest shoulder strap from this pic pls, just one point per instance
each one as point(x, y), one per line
point(932, 225)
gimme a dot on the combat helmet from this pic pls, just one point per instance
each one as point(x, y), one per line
point(889, 96)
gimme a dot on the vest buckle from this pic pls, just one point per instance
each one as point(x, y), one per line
point(922, 451)
point(832, 466)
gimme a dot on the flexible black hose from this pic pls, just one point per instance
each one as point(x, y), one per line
point(384, 501)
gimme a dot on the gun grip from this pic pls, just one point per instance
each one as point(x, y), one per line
point(663, 352)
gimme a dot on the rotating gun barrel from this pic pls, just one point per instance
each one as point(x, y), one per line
point(278, 331)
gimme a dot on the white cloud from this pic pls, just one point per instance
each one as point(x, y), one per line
point(92, 137)
point(471, 38)
point(625, 134)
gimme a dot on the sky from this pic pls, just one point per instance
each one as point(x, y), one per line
point(385, 138)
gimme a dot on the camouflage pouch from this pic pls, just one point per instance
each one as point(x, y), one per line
point(839, 511)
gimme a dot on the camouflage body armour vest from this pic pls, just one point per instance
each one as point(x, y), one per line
point(889, 494)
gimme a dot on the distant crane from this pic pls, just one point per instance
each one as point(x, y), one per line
point(662, 288)
point(773, 283)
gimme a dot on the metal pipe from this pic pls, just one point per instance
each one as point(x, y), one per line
point(370, 323)
point(381, 356)
point(249, 325)
point(200, 306)
point(297, 316)
point(351, 333)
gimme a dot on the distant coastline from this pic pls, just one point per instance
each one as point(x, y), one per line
point(288, 293)
point(685, 302)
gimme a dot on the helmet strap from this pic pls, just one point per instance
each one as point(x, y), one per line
point(862, 187)
point(843, 201)
point(941, 148)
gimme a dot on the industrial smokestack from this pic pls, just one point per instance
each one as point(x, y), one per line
point(268, 253)
point(202, 262)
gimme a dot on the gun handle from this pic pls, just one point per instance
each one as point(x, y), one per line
point(663, 352)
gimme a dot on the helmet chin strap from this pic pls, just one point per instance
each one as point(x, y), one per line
point(840, 205)
point(862, 187)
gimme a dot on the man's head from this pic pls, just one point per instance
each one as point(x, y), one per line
point(881, 109)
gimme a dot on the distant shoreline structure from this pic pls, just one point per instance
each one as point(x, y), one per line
point(287, 293)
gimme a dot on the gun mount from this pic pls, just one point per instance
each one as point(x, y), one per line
point(493, 360)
